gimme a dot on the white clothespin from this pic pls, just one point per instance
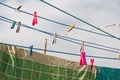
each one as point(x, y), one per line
point(18, 27)
point(82, 46)
point(70, 27)
point(45, 46)
point(54, 38)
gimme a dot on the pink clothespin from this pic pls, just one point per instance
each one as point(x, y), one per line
point(83, 57)
point(34, 19)
point(91, 63)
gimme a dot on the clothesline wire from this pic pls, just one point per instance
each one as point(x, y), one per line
point(56, 21)
point(80, 19)
point(60, 37)
point(65, 25)
point(67, 53)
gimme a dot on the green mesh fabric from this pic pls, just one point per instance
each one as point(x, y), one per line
point(104, 73)
point(24, 69)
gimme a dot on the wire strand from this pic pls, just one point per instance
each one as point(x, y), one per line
point(66, 25)
point(56, 21)
point(67, 53)
point(80, 19)
point(60, 37)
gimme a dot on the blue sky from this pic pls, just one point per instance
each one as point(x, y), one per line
point(97, 12)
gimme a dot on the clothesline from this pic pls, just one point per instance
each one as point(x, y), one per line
point(61, 37)
point(80, 19)
point(56, 21)
point(68, 53)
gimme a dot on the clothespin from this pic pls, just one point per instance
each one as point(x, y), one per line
point(18, 8)
point(31, 47)
point(18, 27)
point(82, 46)
point(118, 55)
point(13, 24)
point(109, 25)
point(91, 63)
point(70, 27)
point(54, 38)
point(34, 19)
point(45, 46)
point(82, 57)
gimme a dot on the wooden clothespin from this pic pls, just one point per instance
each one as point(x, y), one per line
point(45, 46)
point(18, 27)
point(118, 55)
point(13, 24)
point(54, 38)
point(31, 47)
point(18, 8)
point(91, 63)
point(70, 27)
point(109, 25)
point(82, 46)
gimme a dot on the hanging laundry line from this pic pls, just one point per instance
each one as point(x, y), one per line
point(80, 19)
point(57, 22)
point(62, 24)
point(58, 36)
point(60, 52)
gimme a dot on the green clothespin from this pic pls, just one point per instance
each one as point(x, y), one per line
point(13, 24)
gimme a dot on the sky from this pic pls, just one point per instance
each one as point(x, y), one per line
point(100, 13)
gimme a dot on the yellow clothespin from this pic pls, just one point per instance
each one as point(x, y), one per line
point(118, 55)
point(18, 27)
point(70, 27)
point(54, 38)
point(45, 46)
point(82, 46)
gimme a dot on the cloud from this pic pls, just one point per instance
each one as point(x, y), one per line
point(97, 12)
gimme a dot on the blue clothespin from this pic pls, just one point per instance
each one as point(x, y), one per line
point(31, 47)
point(13, 24)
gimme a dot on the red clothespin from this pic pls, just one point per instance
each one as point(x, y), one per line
point(54, 38)
point(34, 19)
point(91, 63)
point(18, 27)
point(83, 57)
